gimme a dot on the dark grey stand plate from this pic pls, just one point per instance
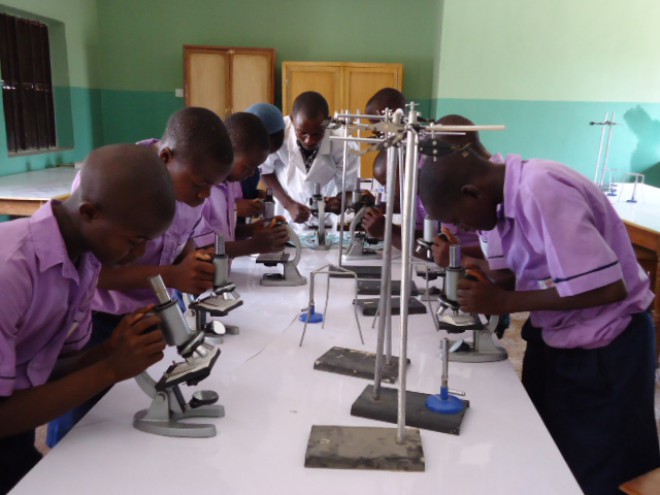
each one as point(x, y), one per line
point(417, 415)
point(356, 363)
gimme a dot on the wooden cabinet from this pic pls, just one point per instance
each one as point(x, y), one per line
point(345, 85)
point(228, 79)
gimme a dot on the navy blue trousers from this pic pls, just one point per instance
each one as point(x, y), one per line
point(17, 457)
point(598, 404)
point(103, 324)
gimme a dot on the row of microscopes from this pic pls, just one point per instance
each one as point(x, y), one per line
point(168, 405)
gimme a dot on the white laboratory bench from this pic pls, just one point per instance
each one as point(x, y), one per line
point(23, 194)
point(273, 396)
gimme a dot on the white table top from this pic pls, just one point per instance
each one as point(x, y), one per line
point(645, 212)
point(39, 185)
point(273, 396)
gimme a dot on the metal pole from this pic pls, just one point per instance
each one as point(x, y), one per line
point(600, 147)
point(610, 126)
point(406, 245)
point(343, 195)
point(385, 315)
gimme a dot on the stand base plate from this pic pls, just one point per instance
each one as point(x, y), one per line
point(356, 363)
point(417, 415)
point(353, 447)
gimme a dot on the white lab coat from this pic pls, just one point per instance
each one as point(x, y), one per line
point(288, 165)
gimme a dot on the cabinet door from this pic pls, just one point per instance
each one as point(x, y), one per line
point(252, 77)
point(361, 81)
point(206, 72)
point(324, 78)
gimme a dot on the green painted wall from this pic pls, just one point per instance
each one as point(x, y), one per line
point(548, 68)
point(142, 46)
point(74, 49)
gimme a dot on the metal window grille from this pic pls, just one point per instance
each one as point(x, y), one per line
point(27, 88)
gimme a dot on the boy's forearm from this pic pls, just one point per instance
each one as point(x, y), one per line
point(550, 300)
point(244, 247)
point(132, 277)
point(75, 361)
point(27, 409)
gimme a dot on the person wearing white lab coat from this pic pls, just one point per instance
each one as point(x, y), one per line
point(307, 157)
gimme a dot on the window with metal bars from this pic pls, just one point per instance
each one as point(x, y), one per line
point(27, 88)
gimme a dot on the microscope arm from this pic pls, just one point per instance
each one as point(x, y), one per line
point(296, 242)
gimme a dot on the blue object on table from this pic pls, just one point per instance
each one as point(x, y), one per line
point(444, 403)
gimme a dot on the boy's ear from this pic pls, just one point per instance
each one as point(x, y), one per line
point(471, 191)
point(166, 154)
point(88, 211)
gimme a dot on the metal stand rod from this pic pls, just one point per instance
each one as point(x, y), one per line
point(343, 195)
point(407, 227)
point(610, 125)
point(384, 310)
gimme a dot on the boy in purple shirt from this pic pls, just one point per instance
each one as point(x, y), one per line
point(196, 152)
point(577, 274)
point(250, 143)
point(49, 266)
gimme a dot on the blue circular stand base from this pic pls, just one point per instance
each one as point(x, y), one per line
point(449, 405)
point(313, 317)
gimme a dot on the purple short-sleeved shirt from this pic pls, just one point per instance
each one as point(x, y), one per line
point(558, 230)
point(45, 308)
point(159, 252)
point(219, 214)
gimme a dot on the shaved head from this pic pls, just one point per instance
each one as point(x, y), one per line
point(471, 138)
point(129, 184)
point(462, 188)
point(385, 98)
point(311, 105)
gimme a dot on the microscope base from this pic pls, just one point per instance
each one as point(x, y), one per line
point(160, 420)
point(362, 447)
point(290, 278)
point(417, 414)
point(357, 363)
point(483, 349)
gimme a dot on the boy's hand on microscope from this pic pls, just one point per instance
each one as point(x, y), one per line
point(135, 344)
point(373, 222)
point(249, 207)
point(194, 274)
point(477, 294)
point(271, 239)
point(299, 212)
point(332, 204)
point(440, 252)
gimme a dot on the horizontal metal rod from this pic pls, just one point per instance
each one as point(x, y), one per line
point(463, 128)
point(358, 116)
point(357, 139)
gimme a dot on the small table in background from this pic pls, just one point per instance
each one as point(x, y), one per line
point(642, 219)
point(23, 194)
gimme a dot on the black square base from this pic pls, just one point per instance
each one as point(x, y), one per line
point(359, 447)
point(356, 363)
point(359, 270)
point(369, 306)
point(417, 415)
point(372, 288)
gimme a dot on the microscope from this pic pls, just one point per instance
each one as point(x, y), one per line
point(451, 319)
point(317, 207)
point(168, 405)
point(291, 276)
point(358, 248)
point(220, 300)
